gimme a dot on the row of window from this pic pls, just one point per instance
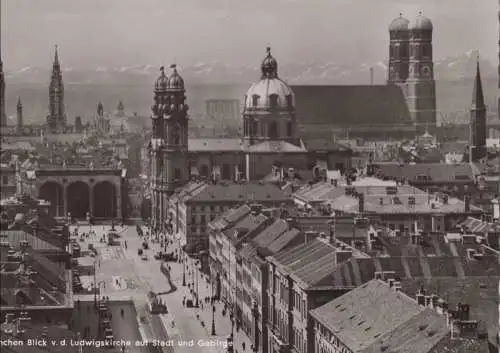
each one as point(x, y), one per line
point(273, 100)
point(270, 129)
point(299, 340)
point(402, 50)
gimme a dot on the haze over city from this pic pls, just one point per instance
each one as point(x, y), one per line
point(95, 33)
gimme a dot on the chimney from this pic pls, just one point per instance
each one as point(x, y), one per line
point(420, 297)
point(361, 203)
point(291, 223)
point(309, 236)
point(467, 203)
point(391, 281)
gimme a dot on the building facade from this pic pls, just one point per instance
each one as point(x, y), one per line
point(100, 192)
point(223, 109)
point(56, 120)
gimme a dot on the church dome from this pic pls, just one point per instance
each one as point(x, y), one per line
point(270, 91)
point(175, 82)
point(421, 23)
point(399, 24)
point(162, 81)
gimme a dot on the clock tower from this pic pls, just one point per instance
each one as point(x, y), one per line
point(421, 86)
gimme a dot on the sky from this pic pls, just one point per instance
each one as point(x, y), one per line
point(115, 33)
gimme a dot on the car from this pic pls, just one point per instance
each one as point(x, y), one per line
point(144, 257)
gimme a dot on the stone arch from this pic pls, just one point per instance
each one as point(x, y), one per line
point(78, 196)
point(104, 200)
point(54, 193)
point(204, 172)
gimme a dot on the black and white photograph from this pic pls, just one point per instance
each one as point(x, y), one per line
point(250, 176)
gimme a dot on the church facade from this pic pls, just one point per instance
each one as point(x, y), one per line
point(270, 139)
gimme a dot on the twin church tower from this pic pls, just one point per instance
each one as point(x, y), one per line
point(411, 67)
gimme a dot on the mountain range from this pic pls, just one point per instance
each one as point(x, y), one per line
point(449, 69)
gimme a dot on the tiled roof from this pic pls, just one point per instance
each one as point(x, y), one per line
point(348, 105)
point(214, 145)
point(481, 293)
point(230, 216)
point(283, 240)
point(413, 268)
point(355, 318)
point(268, 235)
point(240, 231)
point(437, 172)
point(255, 192)
point(309, 263)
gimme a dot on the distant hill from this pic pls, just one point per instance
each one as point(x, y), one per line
point(134, 85)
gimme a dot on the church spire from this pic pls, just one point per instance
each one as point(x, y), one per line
point(477, 94)
point(56, 65)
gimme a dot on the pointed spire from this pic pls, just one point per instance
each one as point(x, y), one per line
point(19, 103)
point(56, 58)
point(477, 94)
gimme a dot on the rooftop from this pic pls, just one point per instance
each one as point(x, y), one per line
point(429, 172)
point(238, 192)
point(355, 318)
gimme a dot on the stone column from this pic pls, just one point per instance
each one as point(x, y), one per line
point(91, 200)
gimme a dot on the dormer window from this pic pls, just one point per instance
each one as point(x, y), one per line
point(255, 100)
point(273, 101)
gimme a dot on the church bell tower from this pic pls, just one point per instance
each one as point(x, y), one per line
point(169, 142)
point(3, 116)
point(56, 120)
point(421, 94)
point(478, 128)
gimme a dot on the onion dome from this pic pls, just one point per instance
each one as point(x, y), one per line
point(399, 24)
point(270, 92)
point(162, 81)
point(175, 82)
point(421, 23)
point(269, 66)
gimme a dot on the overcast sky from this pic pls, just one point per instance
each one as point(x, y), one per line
point(110, 33)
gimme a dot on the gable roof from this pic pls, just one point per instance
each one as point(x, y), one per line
point(348, 105)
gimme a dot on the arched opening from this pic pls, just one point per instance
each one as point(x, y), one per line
point(226, 172)
point(104, 200)
point(204, 171)
point(78, 199)
point(273, 130)
point(53, 192)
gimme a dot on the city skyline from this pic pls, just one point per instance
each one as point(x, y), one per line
point(129, 33)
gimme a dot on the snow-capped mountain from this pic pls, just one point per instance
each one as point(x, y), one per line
point(449, 69)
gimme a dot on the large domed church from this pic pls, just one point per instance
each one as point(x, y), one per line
point(270, 138)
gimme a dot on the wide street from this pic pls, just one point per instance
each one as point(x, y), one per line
point(123, 275)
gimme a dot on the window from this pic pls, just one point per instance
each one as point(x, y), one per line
point(289, 101)
point(255, 100)
point(273, 130)
point(273, 101)
point(175, 136)
point(204, 171)
point(226, 171)
point(177, 174)
point(289, 129)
